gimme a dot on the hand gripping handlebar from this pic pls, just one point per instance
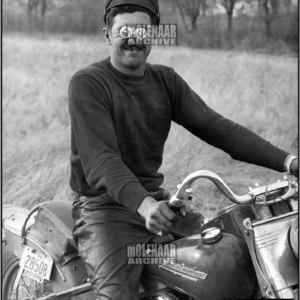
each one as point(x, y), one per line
point(184, 189)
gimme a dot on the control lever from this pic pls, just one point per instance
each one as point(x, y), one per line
point(175, 203)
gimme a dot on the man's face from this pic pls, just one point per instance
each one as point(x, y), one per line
point(126, 55)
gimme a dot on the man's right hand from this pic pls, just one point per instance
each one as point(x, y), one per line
point(158, 216)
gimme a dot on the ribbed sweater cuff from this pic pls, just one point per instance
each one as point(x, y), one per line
point(275, 158)
point(131, 195)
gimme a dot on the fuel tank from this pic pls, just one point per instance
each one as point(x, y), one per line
point(211, 265)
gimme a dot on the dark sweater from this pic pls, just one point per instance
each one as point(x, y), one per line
point(120, 124)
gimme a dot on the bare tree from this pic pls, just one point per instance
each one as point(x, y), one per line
point(182, 15)
point(268, 18)
point(190, 9)
point(36, 10)
point(229, 6)
point(43, 7)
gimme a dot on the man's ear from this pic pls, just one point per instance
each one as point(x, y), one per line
point(106, 36)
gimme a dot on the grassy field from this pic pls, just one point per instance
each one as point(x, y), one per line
point(257, 91)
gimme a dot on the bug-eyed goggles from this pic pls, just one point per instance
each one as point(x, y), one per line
point(128, 32)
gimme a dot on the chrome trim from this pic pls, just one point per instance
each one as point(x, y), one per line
point(179, 274)
point(176, 199)
point(182, 271)
point(267, 238)
point(274, 218)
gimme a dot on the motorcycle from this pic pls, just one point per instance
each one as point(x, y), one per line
point(248, 251)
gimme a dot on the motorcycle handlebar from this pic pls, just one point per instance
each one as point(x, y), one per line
point(184, 190)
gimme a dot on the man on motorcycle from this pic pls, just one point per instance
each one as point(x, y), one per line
point(121, 110)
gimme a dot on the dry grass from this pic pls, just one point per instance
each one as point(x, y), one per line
point(257, 91)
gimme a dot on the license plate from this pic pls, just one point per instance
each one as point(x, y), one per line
point(36, 265)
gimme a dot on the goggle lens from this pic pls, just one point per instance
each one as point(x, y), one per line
point(127, 32)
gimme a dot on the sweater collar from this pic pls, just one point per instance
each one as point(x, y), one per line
point(126, 77)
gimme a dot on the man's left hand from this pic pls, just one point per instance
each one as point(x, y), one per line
point(295, 167)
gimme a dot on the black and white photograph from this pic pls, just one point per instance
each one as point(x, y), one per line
point(150, 149)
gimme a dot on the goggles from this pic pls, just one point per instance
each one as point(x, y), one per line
point(128, 32)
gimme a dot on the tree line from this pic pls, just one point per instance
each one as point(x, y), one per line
point(222, 20)
point(268, 10)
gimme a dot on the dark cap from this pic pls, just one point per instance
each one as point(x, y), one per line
point(151, 5)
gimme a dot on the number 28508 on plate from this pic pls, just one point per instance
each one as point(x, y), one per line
point(36, 265)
